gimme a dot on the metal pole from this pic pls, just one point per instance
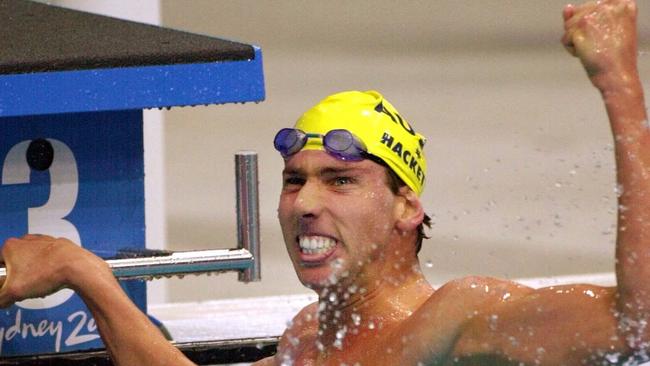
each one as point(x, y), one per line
point(248, 218)
point(177, 264)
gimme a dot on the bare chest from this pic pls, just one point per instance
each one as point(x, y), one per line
point(369, 348)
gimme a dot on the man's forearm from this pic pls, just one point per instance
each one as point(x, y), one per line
point(626, 110)
point(129, 336)
point(603, 35)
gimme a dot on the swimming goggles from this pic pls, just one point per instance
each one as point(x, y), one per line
point(339, 143)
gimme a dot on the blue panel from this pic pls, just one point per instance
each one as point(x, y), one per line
point(132, 87)
point(101, 154)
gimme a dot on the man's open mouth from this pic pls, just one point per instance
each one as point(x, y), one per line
point(315, 250)
point(316, 245)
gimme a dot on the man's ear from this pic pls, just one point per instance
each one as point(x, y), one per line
point(410, 212)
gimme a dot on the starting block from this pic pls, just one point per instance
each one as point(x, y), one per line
point(72, 89)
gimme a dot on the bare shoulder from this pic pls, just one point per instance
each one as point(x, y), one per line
point(470, 295)
point(571, 323)
point(305, 322)
point(482, 288)
point(434, 327)
point(300, 334)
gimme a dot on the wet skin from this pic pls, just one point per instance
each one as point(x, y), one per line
point(398, 319)
point(370, 281)
point(346, 202)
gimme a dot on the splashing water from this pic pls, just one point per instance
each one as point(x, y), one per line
point(493, 322)
point(612, 357)
point(286, 360)
point(320, 346)
point(332, 298)
point(294, 341)
point(340, 334)
point(356, 319)
point(618, 190)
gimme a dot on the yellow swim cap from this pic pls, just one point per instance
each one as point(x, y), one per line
point(374, 121)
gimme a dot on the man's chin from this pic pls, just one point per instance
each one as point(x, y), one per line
point(316, 282)
point(321, 279)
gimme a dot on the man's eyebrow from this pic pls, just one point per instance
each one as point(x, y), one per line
point(339, 170)
point(290, 171)
point(334, 170)
point(323, 171)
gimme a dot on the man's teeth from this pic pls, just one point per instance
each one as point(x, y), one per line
point(316, 244)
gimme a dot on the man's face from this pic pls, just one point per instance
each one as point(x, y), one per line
point(336, 218)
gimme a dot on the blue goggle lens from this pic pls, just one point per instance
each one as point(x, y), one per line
point(340, 143)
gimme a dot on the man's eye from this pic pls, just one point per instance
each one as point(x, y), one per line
point(293, 181)
point(340, 181)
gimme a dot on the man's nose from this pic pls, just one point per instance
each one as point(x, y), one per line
point(309, 202)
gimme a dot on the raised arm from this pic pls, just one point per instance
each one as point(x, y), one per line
point(603, 35)
point(38, 265)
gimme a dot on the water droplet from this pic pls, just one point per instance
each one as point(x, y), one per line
point(612, 357)
point(340, 334)
point(286, 360)
point(644, 123)
point(493, 322)
point(338, 344)
point(513, 341)
point(294, 341)
point(371, 325)
point(618, 190)
point(320, 346)
point(429, 263)
point(356, 319)
point(332, 298)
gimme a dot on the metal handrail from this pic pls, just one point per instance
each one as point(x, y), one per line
point(246, 258)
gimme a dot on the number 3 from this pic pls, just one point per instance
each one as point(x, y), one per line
point(50, 218)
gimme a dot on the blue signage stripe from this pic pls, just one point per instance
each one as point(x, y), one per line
point(132, 87)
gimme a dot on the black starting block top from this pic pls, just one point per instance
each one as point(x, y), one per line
point(55, 60)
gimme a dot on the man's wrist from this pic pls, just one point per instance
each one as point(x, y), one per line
point(88, 273)
point(618, 81)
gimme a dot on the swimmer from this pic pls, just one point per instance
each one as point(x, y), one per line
point(352, 220)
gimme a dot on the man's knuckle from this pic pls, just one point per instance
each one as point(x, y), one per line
point(10, 244)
